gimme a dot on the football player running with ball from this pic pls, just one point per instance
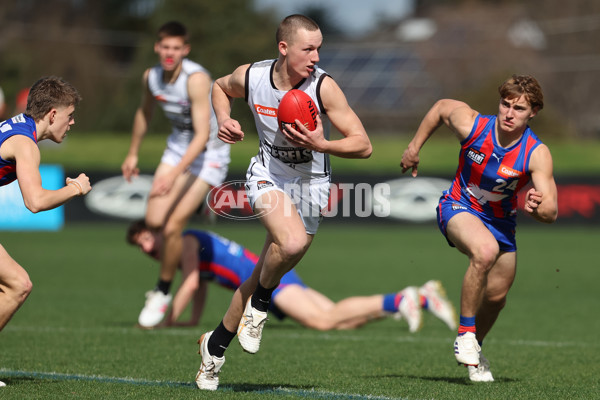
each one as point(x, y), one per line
point(291, 219)
point(499, 155)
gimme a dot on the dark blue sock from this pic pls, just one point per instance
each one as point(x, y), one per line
point(391, 302)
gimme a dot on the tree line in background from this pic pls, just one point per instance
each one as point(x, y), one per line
point(479, 42)
point(103, 47)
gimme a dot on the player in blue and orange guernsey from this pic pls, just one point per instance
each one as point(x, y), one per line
point(208, 257)
point(49, 115)
point(477, 214)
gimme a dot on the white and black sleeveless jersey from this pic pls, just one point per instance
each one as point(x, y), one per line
point(173, 98)
point(275, 151)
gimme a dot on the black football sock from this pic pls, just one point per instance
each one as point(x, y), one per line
point(261, 298)
point(219, 341)
point(163, 286)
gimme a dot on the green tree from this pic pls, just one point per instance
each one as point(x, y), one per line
point(102, 47)
point(223, 35)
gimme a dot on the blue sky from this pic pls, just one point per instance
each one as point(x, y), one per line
point(355, 17)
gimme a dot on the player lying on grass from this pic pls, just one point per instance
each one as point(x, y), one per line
point(210, 257)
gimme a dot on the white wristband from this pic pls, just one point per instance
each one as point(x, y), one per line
point(77, 184)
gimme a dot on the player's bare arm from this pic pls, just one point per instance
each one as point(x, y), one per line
point(458, 116)
point(35, 197)
point(141, 119)
point(190, 279)
point(354, 144)
point(198, 303)
point(199, 85)
point(224, 91)
point(541, 201)
point(191, 283)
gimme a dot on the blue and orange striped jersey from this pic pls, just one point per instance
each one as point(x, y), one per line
point(17, 125)
point(228, 264)
point(223, 261)
point(490, 176)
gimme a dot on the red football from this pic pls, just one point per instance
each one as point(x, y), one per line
point(297, 105)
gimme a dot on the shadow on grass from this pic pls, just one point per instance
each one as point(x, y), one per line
point(18, 381)
point(449, 379)
point(265, 388)
point(15, 381)
point(45, 379)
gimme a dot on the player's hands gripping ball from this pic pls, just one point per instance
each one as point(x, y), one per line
point(297, 105)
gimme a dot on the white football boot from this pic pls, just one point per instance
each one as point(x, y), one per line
point(438, 303)
point(207, 377)
point(481, 373)
point(466, 349)
point(250, 328)
point(410, 309)
point(155, 308)
point(2, 384)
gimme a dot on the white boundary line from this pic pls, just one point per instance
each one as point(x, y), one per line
point(301, 334)
point(306, 393)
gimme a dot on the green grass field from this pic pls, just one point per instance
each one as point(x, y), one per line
point(74, 338)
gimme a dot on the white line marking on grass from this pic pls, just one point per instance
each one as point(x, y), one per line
point(305, 393)
point(88, 378)
point(329, 395)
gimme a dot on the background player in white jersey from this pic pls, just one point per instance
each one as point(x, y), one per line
point(290, 228)
point(193, 161)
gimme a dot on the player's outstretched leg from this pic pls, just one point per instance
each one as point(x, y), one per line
point(207, 377)
point(155, 308)
point(250, 329)
point(481, 373)
point(438, 304)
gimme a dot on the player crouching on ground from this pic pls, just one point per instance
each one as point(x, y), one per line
point(208, 257)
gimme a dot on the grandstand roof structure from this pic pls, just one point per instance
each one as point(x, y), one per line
point(385, 83)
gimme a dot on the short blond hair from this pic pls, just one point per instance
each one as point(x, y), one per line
point(523, 85)
point(290, 24)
